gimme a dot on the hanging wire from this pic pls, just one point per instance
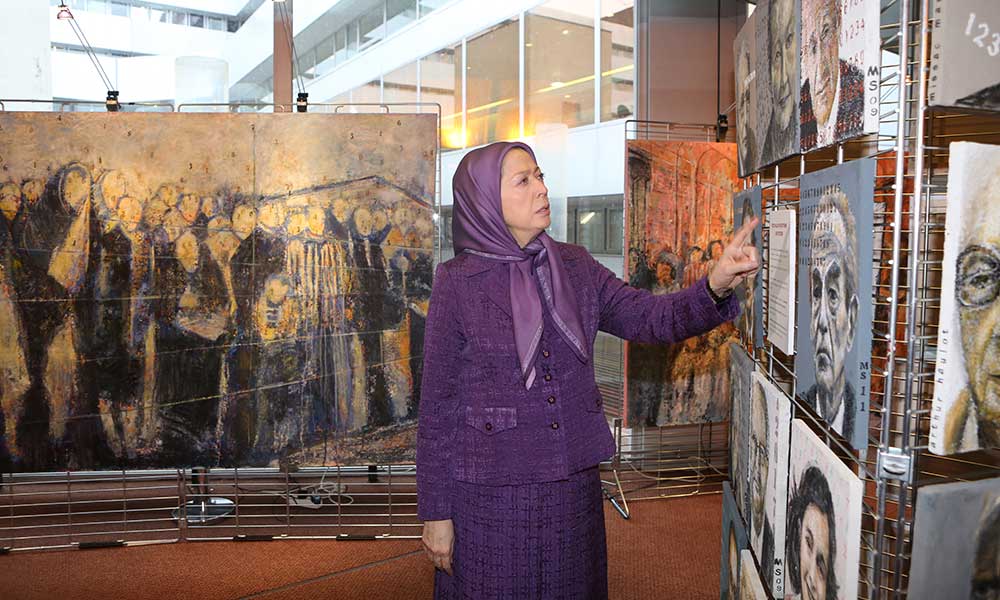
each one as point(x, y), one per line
point(87, 47)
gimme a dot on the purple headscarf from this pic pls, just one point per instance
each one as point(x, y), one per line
point(537, 273)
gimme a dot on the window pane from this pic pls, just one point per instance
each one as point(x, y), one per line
point(215, 23)
point(616, 230)
point(371, 27)
point(232, 25)
point(492, 85)
point(97, 6)
point(441, 83)
point(120, 9)
point(352, 39)
point(326, 58)
point(559, 65)
point(617, 60)
point(178, 18)
point(197, 20)
point(401, 84)
point(590, 229)
point(429, 6)
point(399, 14)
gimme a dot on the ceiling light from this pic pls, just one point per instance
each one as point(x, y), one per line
point(556, 84)
point(587, 217)
point(565, 31)
point(64, 12)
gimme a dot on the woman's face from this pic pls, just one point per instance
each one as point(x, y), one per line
point(814, 554)
point(523, 196)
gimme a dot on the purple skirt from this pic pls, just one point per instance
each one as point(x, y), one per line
point(540, 540)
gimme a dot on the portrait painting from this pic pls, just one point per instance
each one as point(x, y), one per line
point(777, 79)
point(834, 316)
point(751, 587)
point(770, 422)
point(823, 521)
point(750, 323)
point(745, 67)
point(172, 299)
point(956, 541)
point(734, 541)
point(966, 408)
point(965, 58)
point(839, 71)
point(678, 215)
point(741, 370)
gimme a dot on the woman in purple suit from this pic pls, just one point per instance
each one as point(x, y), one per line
point(511, 424)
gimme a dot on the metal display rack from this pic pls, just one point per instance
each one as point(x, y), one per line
point(911, 150)
point(92, 509)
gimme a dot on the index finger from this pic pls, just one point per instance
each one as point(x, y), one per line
point(744, 232)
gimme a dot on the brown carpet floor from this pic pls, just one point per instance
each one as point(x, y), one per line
point(669, 549)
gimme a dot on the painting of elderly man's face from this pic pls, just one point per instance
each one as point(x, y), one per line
point(968, 398)
point(783, 49)
point(834, 276)
point(745, 61)
point(833, 301)
point(820, 59)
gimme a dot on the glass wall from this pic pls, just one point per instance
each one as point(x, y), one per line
point(617, 60)
point(400, 85)
point(559, 65)
point(491, 85)
point(441, 83)
point(399, 14)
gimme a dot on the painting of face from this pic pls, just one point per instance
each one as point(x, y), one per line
point(833, 303)
point(968, 395)
point(834, 315)
point(747, 126)
point(10, 200)
point(783, 49)
point(820, 59)
point(244, 220)
point(823, 530)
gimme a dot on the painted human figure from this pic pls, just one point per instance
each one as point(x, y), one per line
point(833, 90)
point(192, 320)
point(833, 309)
point(761, 530)
point(974, 419)
point(811, 538)
point(14, 378)
point(371, 307)
point(55, 246)
point(781, 137)
point(746, 137)
point(112, 380)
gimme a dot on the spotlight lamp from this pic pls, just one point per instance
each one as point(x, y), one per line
point(64, 12)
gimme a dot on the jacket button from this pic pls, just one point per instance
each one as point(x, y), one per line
point(552, 399)
point(548, 377)
point(489, 427)
point(545, 353)
point(555, 426)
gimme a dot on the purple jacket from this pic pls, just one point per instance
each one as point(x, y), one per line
point(477, 421)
